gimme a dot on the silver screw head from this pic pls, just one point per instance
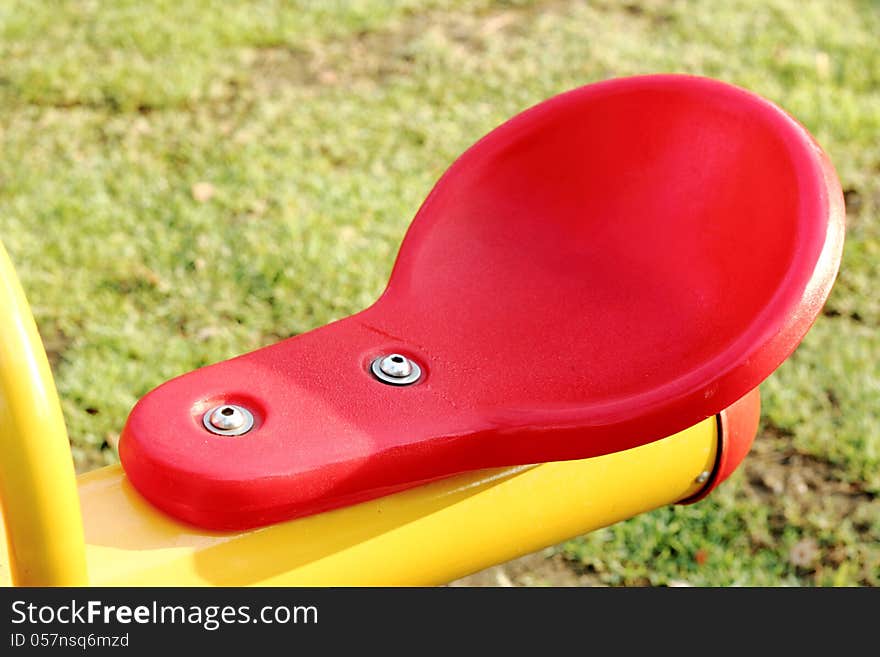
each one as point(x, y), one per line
point(228, 420)
point(396, 369)
point(396, 365)
point(703, 477)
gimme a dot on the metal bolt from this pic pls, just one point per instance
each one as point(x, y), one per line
point(703, 477)
point(396, 365)
point(228, 420)
point(396, 369)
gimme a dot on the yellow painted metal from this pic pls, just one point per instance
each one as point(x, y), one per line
point(38, 491)
point(424, 536)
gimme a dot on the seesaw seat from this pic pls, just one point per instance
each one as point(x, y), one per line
point(605, 269)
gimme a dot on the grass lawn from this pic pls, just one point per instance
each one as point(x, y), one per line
point(184, 181)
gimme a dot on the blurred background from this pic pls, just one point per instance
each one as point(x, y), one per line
point(184, 181)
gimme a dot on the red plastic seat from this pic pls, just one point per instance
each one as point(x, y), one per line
point(603, 270)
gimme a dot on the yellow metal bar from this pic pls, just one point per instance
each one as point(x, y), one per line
point(424, 536)
point(38, 492)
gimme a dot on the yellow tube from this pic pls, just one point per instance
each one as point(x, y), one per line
point(424, 536)
point(38, 492)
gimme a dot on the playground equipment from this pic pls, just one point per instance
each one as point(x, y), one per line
point(573, 333)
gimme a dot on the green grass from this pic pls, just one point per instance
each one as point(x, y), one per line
point(322, 125)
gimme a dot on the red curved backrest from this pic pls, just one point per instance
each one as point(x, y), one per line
point(603, 270)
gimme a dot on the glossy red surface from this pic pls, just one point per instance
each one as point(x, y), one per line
point(601, 271)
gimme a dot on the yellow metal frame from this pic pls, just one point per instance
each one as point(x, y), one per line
point(427, 535)
point(38, 493)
